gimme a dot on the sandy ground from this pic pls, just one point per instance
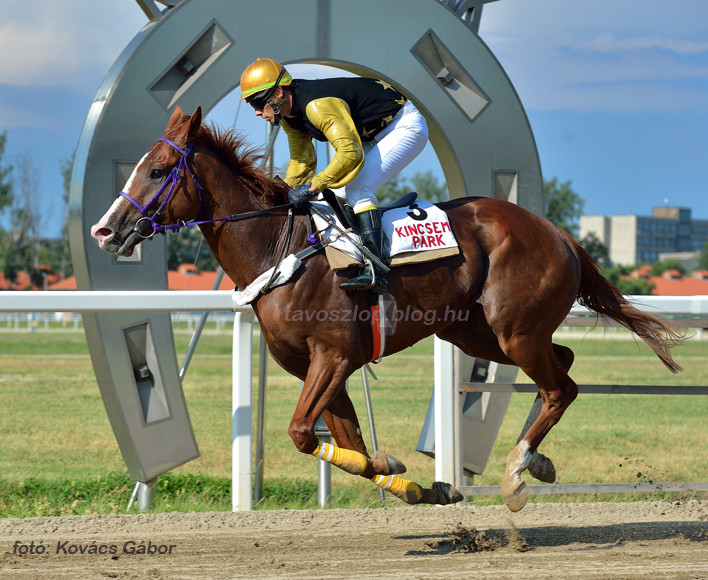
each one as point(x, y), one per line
point(607, 540)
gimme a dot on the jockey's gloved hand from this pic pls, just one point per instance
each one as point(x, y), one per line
point(300, 195)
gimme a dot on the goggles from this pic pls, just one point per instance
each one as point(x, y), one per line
point(258, 102)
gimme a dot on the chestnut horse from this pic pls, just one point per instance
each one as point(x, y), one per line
point(515, 279)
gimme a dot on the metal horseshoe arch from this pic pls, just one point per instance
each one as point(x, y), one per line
point(192, 53)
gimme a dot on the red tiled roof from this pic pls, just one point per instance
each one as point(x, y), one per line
point(65, 284)
point(186, 278)
point(641, 272)
point(671, 274)
point(667, 286)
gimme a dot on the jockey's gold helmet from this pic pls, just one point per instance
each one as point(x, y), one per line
point(261, 78)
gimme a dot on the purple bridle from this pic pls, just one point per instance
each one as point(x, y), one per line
point(172, 180)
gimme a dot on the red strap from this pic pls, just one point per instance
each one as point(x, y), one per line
point(376, 332)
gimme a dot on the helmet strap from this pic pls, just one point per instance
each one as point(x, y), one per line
point(275, 105)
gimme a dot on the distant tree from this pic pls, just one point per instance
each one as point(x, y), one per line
point(188, 247)
point(425, 184)
point(5, 171)
point(428, 187)
point(637, 286)
point(62, 259)
point(658, 268)
point(703, 258)
point(596, 249)
point(563, 205)
point(38, 276)
point(20, 244)
point(391, 190)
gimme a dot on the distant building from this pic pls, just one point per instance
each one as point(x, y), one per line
point(633, 239)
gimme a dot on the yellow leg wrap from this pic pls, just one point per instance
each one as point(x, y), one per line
point(346, 459)
point(408, 491)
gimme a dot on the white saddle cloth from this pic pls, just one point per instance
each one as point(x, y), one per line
point(421, 227)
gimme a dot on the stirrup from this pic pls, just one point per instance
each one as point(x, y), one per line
point(378, 284)
point(362, 281)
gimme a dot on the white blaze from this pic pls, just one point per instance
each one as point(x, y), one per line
point(118, 201)
point(129, 183)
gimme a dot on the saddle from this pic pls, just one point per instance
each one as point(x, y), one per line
point(345, 213)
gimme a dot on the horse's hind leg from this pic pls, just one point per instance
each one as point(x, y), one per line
point(557, 391)
point(540, 466)
point(484, 343)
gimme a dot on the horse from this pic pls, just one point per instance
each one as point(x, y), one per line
point(515, 277)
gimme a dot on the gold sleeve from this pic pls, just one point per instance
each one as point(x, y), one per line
point(303, 157)
point(332, 116)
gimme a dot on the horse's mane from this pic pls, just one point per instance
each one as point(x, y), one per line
point(244, 160)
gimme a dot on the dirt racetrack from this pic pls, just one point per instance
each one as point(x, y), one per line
point(596, 540)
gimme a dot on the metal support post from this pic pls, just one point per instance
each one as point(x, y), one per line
point(370, 415)
point(260, 422)
point(147, 492)
point(324, 478)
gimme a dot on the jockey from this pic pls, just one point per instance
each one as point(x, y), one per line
point(375, 132)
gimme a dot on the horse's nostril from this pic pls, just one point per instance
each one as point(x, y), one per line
point(102, 234)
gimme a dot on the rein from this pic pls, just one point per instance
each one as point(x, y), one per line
point(146, 227)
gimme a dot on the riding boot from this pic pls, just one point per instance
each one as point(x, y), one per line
point(370, 277)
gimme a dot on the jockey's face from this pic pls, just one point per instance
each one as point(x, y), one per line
point(264, 109)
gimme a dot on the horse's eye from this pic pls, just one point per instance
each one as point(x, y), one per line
point(157, 174)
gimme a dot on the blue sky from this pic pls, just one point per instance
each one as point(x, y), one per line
point(616, 91)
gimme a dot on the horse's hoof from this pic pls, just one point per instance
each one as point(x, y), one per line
point(541, 468)
point(386, 464)
point(445, 494)
point(515, 498)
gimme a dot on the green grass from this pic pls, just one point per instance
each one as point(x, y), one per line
point(59, 455)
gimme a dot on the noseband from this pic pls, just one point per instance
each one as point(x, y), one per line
point(146, 227)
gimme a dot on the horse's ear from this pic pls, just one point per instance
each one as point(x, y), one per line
point(195, 122)
point(175, 118)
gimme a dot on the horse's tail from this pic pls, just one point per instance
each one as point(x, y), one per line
point(600, 295)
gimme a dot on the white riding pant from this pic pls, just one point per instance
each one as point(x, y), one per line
point(391, 150)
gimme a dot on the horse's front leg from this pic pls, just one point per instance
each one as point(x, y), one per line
point(343, 424)
point(350, 454)
point(326, 377)
point(382, 469)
